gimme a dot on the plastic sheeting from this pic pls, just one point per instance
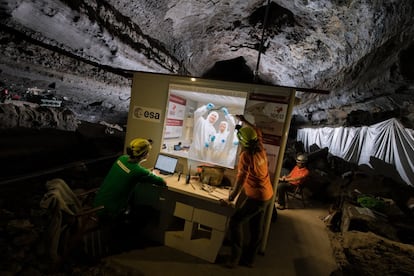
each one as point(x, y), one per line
point(388, 141)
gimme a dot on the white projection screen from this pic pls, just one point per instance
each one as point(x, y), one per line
point(200, 124)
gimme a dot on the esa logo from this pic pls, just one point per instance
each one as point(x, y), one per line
point(147, 114)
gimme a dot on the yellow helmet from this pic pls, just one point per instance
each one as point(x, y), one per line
point(246, 135)
point(139, 147)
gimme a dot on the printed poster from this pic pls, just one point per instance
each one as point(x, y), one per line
point(175, 117)
point(269, 113)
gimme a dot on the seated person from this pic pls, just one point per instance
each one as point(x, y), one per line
point(123, 177)
point(296, 177)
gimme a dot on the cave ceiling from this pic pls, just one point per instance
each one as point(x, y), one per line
point(361, 51)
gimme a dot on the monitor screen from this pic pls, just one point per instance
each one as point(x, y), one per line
point(165, 164)
point(200, 124)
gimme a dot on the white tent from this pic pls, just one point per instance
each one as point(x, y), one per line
point(388, 141)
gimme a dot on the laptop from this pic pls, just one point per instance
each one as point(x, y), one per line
point(165, 164)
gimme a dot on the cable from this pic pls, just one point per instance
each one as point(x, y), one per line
point(256, 72)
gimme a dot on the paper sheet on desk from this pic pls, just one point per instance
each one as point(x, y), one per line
point(217, 192)
point(218, 195)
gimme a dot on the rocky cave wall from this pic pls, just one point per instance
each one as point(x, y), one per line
point(361, 51)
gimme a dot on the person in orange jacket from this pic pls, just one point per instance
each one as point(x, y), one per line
point(296, 177)
point(253, 177)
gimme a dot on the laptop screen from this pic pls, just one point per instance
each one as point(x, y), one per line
point(165, 164)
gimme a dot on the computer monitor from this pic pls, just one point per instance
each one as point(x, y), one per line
point(165, 164)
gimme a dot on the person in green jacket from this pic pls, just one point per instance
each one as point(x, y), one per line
point(123, 179)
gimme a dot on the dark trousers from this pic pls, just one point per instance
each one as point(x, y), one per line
point(251, 211)
point(282, 188)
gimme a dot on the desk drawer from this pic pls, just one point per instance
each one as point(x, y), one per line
point(210, 219)
point(184, 211)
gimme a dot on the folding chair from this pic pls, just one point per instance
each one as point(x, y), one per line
point(297, 193)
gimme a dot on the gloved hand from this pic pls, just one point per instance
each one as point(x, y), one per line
point(210, 106)
point(235, 143)
point(213, 138)
point(225, 111)
point(225, 202)
point(206, 144)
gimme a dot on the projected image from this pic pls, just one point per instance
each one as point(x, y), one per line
point(200, 124)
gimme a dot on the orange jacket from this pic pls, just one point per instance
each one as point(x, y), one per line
point(297, 172)
point(254, 170)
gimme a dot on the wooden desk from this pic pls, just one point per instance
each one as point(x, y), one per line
point(204, 220)
point(195, 189)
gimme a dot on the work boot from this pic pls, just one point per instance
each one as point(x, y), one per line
point(280, 206)
point(231, 263)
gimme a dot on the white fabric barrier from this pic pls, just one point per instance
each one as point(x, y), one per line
point(388, 141)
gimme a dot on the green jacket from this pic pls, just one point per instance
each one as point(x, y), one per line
point(119, 184)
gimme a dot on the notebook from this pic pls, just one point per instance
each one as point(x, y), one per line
point(165, 164)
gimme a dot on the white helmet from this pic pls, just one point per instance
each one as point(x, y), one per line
point(301, 158)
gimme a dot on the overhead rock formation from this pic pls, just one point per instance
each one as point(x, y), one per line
point(360, 51)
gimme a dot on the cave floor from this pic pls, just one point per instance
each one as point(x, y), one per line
point(298, 244)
